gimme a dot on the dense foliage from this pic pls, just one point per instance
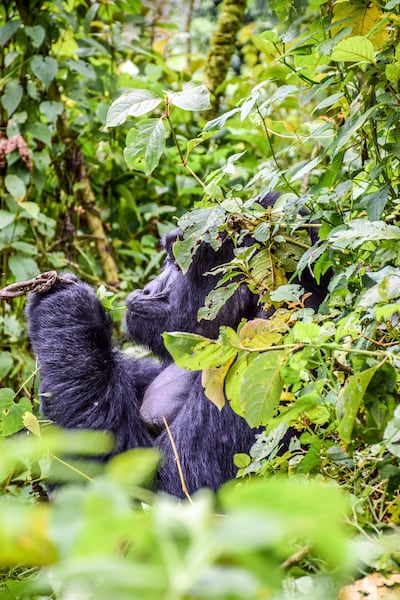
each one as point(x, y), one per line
point(108, 134)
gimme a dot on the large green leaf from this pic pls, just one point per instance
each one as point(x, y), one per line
point(12, 96)
point(192, 97)
point(45, 68)
point(23, 267)
point(354, 49)
point(261, 387)
point(216, 300)
point(145, 145)
point(195, 352)
point(134, 103)
point(15, 186)
point(350, 399)
point(8, 30)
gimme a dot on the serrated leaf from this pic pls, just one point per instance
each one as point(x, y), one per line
point(350, 399)
point(134, 103)
point(12, 96)
point(45, 68)
point(213, 383)
point(287, 293)
point(184, 250)
point(356, 49)
point(145, 145)
point(263, 333)
point(199, 224)
point(233, 380)
point(195, 352)
point(261, 387)
point(215, 300)
point(192, 97)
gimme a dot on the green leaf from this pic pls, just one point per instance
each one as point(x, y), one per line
point(195, 352)
point(36, 33)
point(8, 30)
point(41, 132)
point(261, 387)
point(51, 109)
point(15, 186)
point(287, 293)
point(350, 399)
point(6, 218)
point(134, 103)
point(216, 300)
point(82, 67)
point(221, 120)
point(12, 96)
point(134, 467)
point(391, 435)
point(45, 68)
point(233, 381)
point(192, 97)
point(307, 168)
point(355, 49)
point(199, 224)
point(145, 145)
point(6, 363)
point(11, 414)
point(375, 203)
point(23, 267)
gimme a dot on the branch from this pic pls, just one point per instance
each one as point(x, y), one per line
point(222, 47)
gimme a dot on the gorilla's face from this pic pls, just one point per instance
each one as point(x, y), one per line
point(171, 301)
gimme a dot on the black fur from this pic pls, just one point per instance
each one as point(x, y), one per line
point(87, 383)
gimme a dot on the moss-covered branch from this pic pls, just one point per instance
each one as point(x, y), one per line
point(223, 46)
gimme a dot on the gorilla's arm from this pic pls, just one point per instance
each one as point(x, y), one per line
point(206, 441)
point(85, 382)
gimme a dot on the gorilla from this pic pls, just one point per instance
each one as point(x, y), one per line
point(88, 383)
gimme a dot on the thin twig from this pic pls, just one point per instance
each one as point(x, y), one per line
point(295, 558)
point(178, 462)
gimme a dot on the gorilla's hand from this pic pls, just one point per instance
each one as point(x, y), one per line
point(69, 305)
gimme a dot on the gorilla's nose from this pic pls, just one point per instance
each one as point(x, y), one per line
point(133, 298)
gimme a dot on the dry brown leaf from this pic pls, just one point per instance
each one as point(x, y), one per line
point(373, 587)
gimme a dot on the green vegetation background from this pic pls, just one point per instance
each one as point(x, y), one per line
point(116, 120)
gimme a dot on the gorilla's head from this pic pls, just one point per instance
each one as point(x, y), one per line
point(171, 301)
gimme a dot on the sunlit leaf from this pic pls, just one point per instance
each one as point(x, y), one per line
point(261, 387)
point(213, 381)
point(192, 97)
point(134, 103)
point(145, 145)
point(350, 400)
point(195, 352)
point(355, 49)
